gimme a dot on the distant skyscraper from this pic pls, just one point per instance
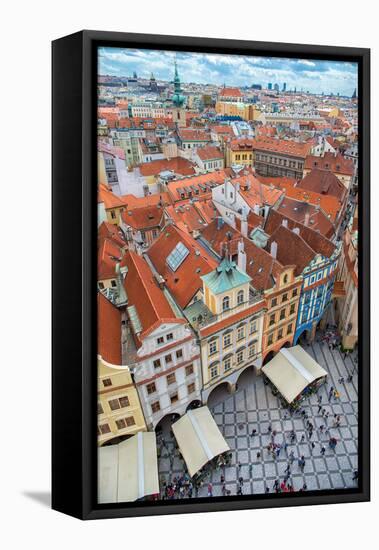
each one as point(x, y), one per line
point(135, 75)
point(276, 87)
point(269, 86)
point(284, 86)
point(354, 96)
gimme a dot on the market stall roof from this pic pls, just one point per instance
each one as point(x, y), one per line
point(292, 370)
point(199, 438)
point(128, 471)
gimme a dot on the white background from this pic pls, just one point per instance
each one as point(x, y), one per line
point(26, 31)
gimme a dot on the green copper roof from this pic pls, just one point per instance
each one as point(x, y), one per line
point(177, 98)
point(225, 277)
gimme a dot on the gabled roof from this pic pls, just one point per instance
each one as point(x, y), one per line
point(178, 165)
point(242, 144)
point(323, 182)
point(314, 239)
point(190, 134)
point(145, 295)
point(260, 265)
point(109, 254)
point(291, 249)
point(230, 92)
point(225, 277)
point(282, 146)
point(143, 218)
point(111, 231)
point(185, 281)
point(300, 210)
point(131, 201)
point(335, 163)
point(186, 216)
point(109, 199)
point(256, 193)
point(108, 331)
point(200, 186)
point(209, 153)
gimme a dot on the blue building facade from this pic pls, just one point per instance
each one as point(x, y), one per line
point(316, 293)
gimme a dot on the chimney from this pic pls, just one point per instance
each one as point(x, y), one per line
point(274, 249)
point(244, 226)
point(237, 186)
point(241, 256)
point(220, 222)
point(306, 219)
point(296, 230)
point(285, 223)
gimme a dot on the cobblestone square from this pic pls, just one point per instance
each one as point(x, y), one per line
point(254, 407)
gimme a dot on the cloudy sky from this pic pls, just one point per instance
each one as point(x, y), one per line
point(313, 75)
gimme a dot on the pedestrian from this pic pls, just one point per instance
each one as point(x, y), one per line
point(253, 433)
point(313, 444)
point(239, 466)
point(210, 490)
point(302, 439)
point(258, 455)
point(267, 490)
point(251, 470)
point(292, 457)
point(355, 475)
point(269, 429)
point(323, 450)
point(319, 408)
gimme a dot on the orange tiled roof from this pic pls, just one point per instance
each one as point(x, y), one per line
point(317, 242)
point(196, 186)
point(209, 153)
point(187, 217)
point(145, 295)
point(281, 146)
point(254, 192)
point(223, 130)
point(337, 164)
point(299, 210)
point(230, 92)
point(185, 282)
point(109, 199)
point(131, 202)
point(109, 254)
point(242, 144)
point(112, 232)
point(189, 134)
point(323, 182)
point(179, 165)
point(143, 218)
point(108, 331)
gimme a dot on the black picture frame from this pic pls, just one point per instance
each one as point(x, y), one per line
point(74, 332)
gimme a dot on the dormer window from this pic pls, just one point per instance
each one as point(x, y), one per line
point(240, 297)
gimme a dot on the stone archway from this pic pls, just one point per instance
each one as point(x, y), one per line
point(194, 404)
point(268, 357)
point(219, 393)
point(163, 426)
point(246, 376)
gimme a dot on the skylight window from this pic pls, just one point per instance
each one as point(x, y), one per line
point(177, 256)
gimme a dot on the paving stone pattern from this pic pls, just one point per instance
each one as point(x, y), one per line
point(254, 407)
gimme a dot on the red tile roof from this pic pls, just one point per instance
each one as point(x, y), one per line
point(242, 144)
point(185, 282)
point(143, 218)
point(109, 254)
point(203, 184)
point(104, 147)
point(337, 164)
point(132, 202)
point(209, 153)
point(145, 295)
point(260, 265)
point(186, 217)
point(230, 92)
point(228, 321)
point(228, 130)
point(323, 182)
point(291, 249)
point(317, 242)
point(281, 146)
point(179, 165)
point(299, 211)
point(112, 232)
point(189, 134)
point(108, 331)
point(109, 199)
point(329, 204)
point(254, 192)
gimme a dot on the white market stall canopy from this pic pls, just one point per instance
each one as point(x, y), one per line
point(199, 438)
point(292, 370)
point(128, 471)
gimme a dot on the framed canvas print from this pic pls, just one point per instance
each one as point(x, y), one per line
point(210, 275)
